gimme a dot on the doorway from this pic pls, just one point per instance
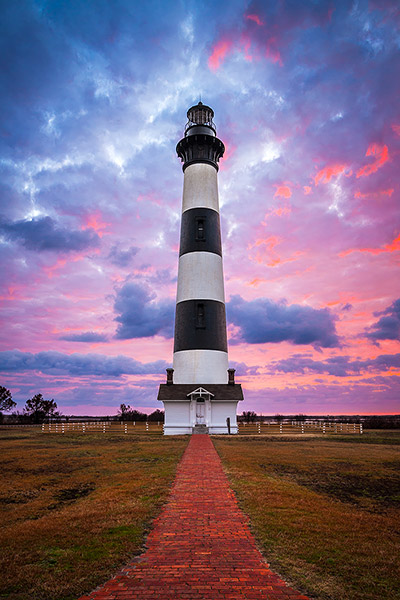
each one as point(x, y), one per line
point(200, 412)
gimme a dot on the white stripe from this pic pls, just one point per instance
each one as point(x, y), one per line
point(200, 366)
point(200, 187)
point(200, 277)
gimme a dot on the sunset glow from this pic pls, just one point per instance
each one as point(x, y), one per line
point(306, 102)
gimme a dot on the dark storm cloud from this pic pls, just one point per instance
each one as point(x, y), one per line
point(45, 235)
point(388, 326)
point(338, 366)
point(264, 321)
point(87, 336)
point(140, 316)
point(57, 363)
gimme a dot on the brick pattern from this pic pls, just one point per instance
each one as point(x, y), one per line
point(201, 547)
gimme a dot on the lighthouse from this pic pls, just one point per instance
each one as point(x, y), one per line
point(200, 394)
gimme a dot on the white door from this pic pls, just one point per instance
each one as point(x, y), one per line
point(200, 413)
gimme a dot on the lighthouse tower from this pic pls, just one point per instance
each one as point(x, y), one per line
point(200, 394)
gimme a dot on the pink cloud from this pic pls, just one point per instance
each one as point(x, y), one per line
point(307, 190)
point(255, 18)
point(377, 194)
point(382, 156)
point(220, 50)
point(392, 247)
point(272, 53)
point(256, 281)
point(282, 191)
point(245, 43)
point(229, 152)
point(282, 210)
point(396, 129)
point(94, 221)
point(326, 174)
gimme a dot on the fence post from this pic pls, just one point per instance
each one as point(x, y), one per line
point(104, 428)
point(323, 428)
point(62, 428)
point(126, 428)
point(302, 428)
point(259, 428)
point(147, 426)
point(280, 427)
point(361, 428)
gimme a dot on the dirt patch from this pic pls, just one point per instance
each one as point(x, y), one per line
point(74, 493)
point(19, 497)
point(348, 486)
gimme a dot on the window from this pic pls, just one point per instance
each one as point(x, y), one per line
point(200, 316)
point(200, 229)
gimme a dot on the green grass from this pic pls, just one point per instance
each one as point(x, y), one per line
point(75, 508)
point(325, 510)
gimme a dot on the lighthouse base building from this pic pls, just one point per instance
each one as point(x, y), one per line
point(200, 395)
point(192, 408)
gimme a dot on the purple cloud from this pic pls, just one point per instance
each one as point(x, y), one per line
point(388, 326)
point(57, 363)
point(122, 258)
point(87, 336)
point(45, 235)
point(140, 315)
point(338, 366)
point(264, 321)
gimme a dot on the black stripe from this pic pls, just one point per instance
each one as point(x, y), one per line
point(200, 231)
point(200, 325)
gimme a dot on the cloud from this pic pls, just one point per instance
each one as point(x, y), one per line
point(43, 234)
point(326, 174)
point(283, 191)
point(220, 50)
point(86, 336)
point(255, 18)
point(140, 314)
point(263, 321)
point(388, 326)
point(382, 155)
point(122, 258)
point(338, 366)
point(393, 246)
point(57, 363)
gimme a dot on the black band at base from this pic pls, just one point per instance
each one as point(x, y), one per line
point(200, 325)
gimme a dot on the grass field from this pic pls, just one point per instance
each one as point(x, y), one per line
point(75, 508)
point(325, 510)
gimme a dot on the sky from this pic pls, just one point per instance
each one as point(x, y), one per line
point(94, 97)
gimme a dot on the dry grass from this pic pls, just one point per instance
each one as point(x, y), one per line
point(74, 508)
point(324, 510)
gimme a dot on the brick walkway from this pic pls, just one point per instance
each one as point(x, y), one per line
point(200, 547)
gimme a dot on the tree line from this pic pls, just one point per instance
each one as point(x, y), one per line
point(37, 410)
point(126, 413)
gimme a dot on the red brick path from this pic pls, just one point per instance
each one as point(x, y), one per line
point(201, 547)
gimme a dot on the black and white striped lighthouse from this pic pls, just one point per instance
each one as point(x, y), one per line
point(200, 349)
point(200, 359)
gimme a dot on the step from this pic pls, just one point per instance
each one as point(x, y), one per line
point(200, 429)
